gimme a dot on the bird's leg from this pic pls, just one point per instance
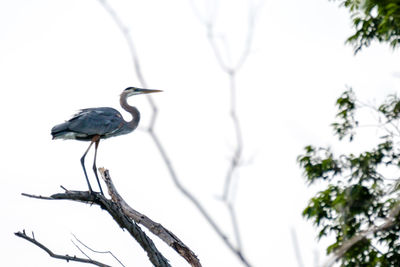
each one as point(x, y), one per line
point(84, 169)
point(96, 144)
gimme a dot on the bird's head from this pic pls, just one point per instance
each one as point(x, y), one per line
point(130, 91)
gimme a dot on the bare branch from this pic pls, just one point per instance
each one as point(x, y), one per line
point(87, 256)
point(231, 70)
point(388, 223)
point(58, 256)
point(126, 33)
point(211, 12)
point(135, 59)
point(316, 258)
point(214, 45)
point(157, 229)
point(155, 256)
point(157, 141)
point(197, 203)
point(296, 247)
point(252, 16)
point(235, 224)
point(38, 197)
point(96, 251)
point(237, 154)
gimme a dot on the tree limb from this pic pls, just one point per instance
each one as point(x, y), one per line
point(95, 251)
point(157, 229)
point(231, 70)
point(156, 139)
point(58, 256)
point(156, 258)
point(296, 247)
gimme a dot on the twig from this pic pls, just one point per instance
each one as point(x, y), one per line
point(34, 196)
point(235, 224)
point(197, 203)
point(316, 258)
point(87, 256)
point(154, 255)
point(237, 154)
point(156, 140)
point(135, 59)
point(164, 234)
point(58, 256)
point(231, 70)
point(96, 251)
point(296, 247)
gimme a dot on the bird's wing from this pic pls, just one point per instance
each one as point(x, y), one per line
point(96, 121)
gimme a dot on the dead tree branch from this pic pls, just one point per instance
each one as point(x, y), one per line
point(296, 247)
point(121, 212)
point(231, 70)
point(155, 256)
point(157, 229)
point(95, 251)
point(135, 59)
point(58, 256)
point(156, 139)
point(87, 256)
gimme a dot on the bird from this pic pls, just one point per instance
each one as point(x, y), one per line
point(94, 124)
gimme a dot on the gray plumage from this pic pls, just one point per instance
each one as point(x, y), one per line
point(87, 123)
point(94, 124)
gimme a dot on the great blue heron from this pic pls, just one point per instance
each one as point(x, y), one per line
point(93, 124)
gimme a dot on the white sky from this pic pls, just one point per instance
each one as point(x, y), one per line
point(59, 56)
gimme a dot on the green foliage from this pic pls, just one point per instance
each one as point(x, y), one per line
point(346, 106)
point(374, 20)
point(357, 196)
point(391, 108)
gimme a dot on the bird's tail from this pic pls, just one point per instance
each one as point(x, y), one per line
point(59, 130)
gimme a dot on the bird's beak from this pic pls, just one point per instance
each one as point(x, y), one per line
point(148, 91)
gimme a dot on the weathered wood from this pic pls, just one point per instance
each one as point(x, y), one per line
point(154, 227)
point(154, 255)
point(58, 256)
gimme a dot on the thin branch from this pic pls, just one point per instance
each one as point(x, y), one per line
point(237, 154)
point(231, 70)
point(157, 229)
point(235, 224)
point(249, 37)
point(296, 247)
point(211, 12)
point(384, 124)
point(154, 255)
point(96, 251)
point(58, 256)
point(157, 141)
point(388, 223)
point(35, 196)
point(213, 42)
point(87, 256)
point(316, 258)
point(197, 203)
point(135, 59)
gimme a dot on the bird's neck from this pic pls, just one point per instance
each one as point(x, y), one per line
point(134, 122)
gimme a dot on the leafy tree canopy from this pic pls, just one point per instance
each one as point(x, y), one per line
point(361, 190)
point(374, 20)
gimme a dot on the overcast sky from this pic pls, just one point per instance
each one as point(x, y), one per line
point(59, 56)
